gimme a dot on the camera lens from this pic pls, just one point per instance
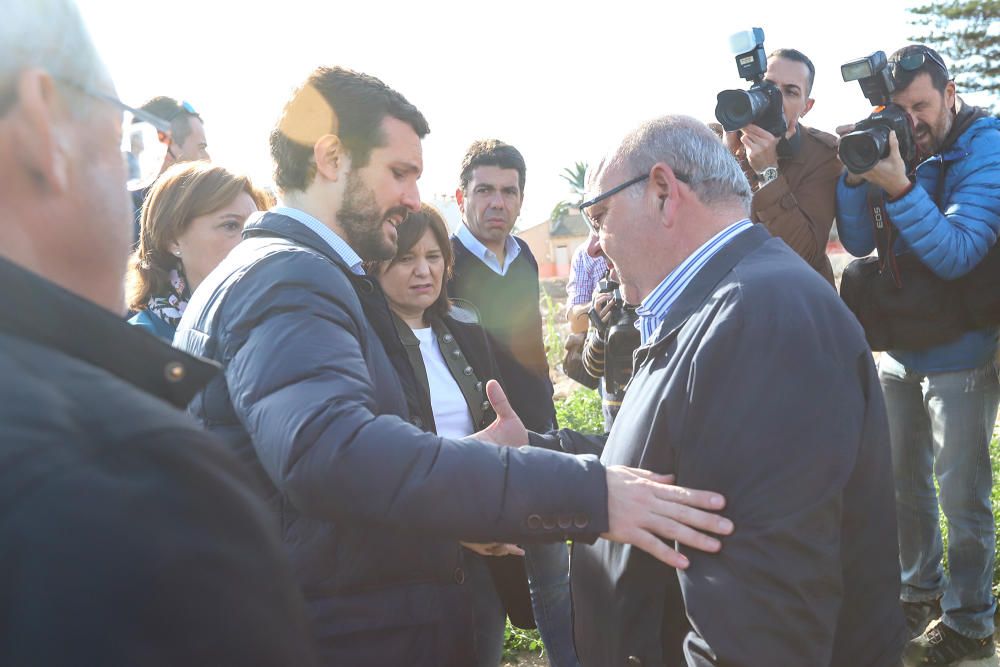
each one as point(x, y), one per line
point(862, 150)
point(739, 108)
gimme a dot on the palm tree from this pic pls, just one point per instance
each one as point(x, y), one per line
point(576, 177)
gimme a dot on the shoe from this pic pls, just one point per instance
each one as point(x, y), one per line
point(940, 646)
point(920, 614)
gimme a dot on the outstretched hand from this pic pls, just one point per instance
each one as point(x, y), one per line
point(645, 510)
point(507, 429)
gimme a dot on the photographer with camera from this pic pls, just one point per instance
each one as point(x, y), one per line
point(942, 205)
point(792, 169)
point(611, 340)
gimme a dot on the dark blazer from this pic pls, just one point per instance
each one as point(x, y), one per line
point(468, 354)
point(758, 385)
point(371, 507)
point(128, 536)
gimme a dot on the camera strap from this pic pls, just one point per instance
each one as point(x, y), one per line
point(885, 236)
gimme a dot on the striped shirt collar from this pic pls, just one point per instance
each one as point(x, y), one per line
point(656, 305)
point(337, 244)
point(487, 256)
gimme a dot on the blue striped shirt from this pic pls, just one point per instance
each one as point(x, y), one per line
point(654, 308)
point(337, 244)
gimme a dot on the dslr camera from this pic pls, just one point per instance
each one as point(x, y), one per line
point(863, 148)
point(761, 104)
point(620, 337)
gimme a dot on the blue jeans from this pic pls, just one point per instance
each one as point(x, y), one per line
point(488, 613)
point(548, 581)
point(940, 425)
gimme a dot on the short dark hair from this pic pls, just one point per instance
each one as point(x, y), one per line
point(492, 153)
point(174, 113)
point(799, 57)
point(903, 78)
point(408, 233)
point(349, 104)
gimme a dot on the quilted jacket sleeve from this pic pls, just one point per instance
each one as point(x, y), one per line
point(300, 383)
point(952, 239)
point(854, 221)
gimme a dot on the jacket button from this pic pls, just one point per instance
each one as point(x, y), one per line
point(467, 370)
point(459, 575)
point(548, 523)
point(456, 353)
point(634, 661)
point(534, 522)
point(486, 405)
point(581, 521)
point(479, 386)
point(565, 522)
point(174, 371)
point(448, 338)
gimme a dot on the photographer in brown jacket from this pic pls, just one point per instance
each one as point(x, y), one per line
point(793, 178)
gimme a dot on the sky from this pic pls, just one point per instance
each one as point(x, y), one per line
point(561, 81)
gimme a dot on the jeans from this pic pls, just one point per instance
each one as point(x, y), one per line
point(940, 425)
point(548, 581)
point(488, 613)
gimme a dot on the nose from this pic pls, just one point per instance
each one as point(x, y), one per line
point(422, 268)
point(411, 197)
point(496, 200)
point(594, 246)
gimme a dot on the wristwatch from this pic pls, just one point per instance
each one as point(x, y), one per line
point(767, 176)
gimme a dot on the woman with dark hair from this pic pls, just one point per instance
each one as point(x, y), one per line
point(192, 218)
point(452, 359)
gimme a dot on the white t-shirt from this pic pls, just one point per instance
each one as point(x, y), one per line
point(451, 412)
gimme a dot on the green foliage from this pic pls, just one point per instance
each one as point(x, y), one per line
point(516, 640)
point(961, 30)
point(581, 411)
point(553, 341)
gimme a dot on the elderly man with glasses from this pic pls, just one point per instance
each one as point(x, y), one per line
point(942, 400)
point(755, 380)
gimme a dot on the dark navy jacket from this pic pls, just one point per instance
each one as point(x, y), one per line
point(128, 535)
point(370, 506)
point(759, 385)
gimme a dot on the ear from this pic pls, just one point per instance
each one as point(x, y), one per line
point(809, 105)
point(460, 198)
point(664, 185)
point(949, 95)
point(40, 131)
point(330, 157)
point(173, 248)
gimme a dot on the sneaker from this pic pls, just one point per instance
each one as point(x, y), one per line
point(940, 646)
point(920, 614)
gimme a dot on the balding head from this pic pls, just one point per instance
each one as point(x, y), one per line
point(668, 187)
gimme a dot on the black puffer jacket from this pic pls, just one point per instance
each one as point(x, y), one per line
point(371, 507)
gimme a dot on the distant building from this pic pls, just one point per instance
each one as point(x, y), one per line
point(552, 242)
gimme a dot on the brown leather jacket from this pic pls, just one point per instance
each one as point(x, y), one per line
point(799, 206)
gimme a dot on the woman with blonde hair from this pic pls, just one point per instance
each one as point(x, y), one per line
point(192, 218)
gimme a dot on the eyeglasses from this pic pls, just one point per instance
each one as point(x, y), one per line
point(157, 122)
point(595, 226)
point(914, 60)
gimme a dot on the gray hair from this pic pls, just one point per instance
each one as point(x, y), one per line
point(691, 149)
point(48, 34)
